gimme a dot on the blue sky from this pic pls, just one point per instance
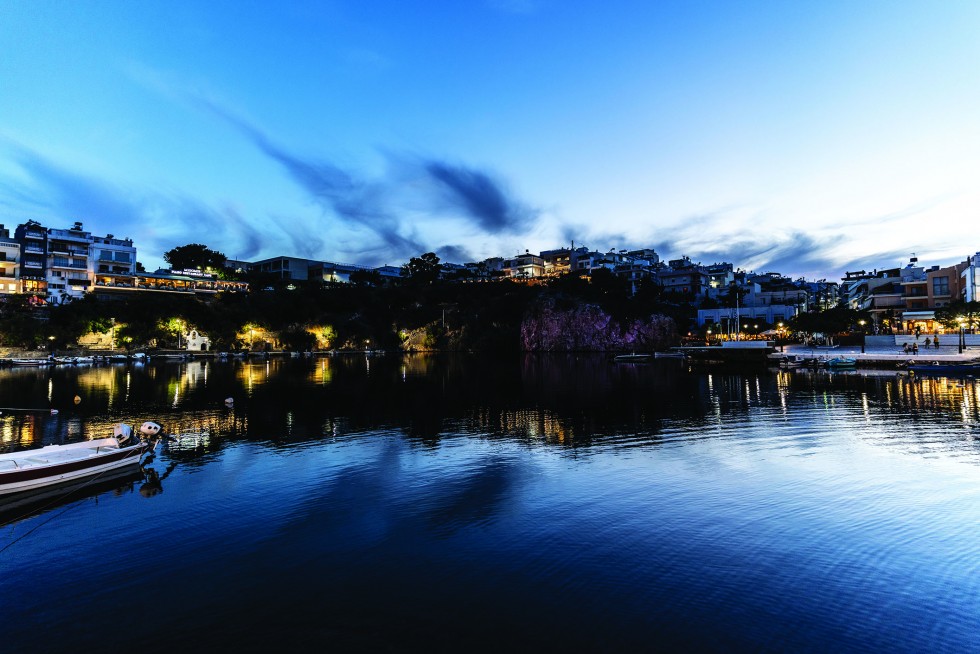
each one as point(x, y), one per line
point(803, 137)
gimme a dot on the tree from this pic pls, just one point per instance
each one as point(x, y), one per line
point(422, 270)
point(194, 255)
point(949, 316)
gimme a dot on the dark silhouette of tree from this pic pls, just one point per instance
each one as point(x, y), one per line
point(194, 255)
point(423, 269)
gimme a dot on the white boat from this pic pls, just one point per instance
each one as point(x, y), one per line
point(29, 362)
point(56, 464)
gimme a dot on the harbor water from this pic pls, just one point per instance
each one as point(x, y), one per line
point(525, 503)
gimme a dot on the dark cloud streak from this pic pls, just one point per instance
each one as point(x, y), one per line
point(464, 192)
point(483, 199)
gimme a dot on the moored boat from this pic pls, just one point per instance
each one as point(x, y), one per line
point(55, 464)
point(946, 369)
point(632, 358)
point(841, 362)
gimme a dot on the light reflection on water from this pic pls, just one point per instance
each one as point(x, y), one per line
point(435, 504)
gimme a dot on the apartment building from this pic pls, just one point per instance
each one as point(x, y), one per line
point(33, 240)
point(9, 263)
point(523, 266)
point(682, 276)
point(112, 255)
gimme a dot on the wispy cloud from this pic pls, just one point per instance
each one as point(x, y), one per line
point(382, 205)
point(156, 221)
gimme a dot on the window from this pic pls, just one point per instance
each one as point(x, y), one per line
point(940, 285)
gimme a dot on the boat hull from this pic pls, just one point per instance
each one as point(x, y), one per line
point(51, 465)
point(963, 370)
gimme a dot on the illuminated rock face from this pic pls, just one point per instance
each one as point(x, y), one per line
point(589, 328)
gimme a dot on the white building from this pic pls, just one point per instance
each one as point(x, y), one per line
point(68, 263)
point(971, 279)
point(195, 341)
point(111, 255)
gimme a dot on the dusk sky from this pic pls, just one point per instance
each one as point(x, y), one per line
point(807, 138)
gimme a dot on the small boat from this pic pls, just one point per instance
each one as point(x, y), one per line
point(29, 362)
point(55, 464)
point(946, 369)
point(841, 362)
point(632, 358)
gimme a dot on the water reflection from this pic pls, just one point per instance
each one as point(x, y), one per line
point(568, 401)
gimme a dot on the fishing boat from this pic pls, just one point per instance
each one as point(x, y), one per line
point(946, 369)
point(29, 470)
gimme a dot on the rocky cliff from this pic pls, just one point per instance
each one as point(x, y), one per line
point(585, 327)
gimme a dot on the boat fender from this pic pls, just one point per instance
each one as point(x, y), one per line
point(229, 401)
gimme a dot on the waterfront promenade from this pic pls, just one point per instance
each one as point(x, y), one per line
point(880, 352)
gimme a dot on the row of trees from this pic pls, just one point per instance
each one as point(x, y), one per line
point(477, 316)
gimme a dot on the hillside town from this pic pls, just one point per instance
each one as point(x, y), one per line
point(58, 265)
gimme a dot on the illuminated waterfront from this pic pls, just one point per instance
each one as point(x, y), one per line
point(452, 503)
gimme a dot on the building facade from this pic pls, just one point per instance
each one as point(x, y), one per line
point(9, 263)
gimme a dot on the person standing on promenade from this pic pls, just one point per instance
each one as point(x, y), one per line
point(935, 341)
point(915, 348)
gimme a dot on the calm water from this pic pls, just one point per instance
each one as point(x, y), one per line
point(531, 504)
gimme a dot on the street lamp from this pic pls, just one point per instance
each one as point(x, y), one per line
point(709, 337)
point(861, 322)
point(51, 344)
point(962, 340)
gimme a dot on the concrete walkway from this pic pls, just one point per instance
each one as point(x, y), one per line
point(887, 355)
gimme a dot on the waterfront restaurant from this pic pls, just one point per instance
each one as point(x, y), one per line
point(162, 281)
